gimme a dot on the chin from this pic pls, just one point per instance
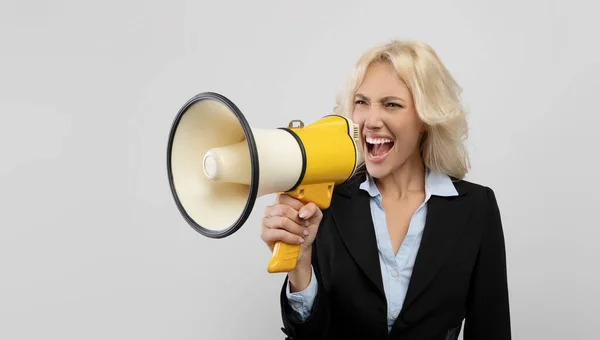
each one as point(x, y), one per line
point(375, 173)
point(378, 168)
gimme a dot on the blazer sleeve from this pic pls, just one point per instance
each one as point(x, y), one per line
point(316, 325)
point(488, 312)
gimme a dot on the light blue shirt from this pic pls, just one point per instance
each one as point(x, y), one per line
point(396, 269)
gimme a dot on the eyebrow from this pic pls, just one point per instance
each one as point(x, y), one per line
point(362, 96)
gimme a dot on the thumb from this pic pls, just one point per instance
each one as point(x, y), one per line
point(310, 213)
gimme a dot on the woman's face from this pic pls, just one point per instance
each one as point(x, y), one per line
point(390, 127)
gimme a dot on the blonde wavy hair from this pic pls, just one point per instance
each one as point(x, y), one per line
point(436, 96)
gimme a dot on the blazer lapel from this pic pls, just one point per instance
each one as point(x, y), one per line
point(445, 221)
point(351, 212)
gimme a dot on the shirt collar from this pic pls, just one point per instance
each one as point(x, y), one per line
point(436, 184)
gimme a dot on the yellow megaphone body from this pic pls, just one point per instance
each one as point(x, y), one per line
point(218, 165)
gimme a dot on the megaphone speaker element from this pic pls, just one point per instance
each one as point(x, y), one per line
point(218, 165)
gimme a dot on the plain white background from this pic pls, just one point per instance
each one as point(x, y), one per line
point(92, 245)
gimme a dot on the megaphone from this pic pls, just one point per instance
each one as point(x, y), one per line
point(218, 165)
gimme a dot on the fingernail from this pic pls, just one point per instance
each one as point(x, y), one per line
point(302, 214)
point(301, 240)
point(305, 232)
point(306, 223)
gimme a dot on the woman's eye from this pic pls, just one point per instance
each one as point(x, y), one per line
point(394, 105)
point(359, 102)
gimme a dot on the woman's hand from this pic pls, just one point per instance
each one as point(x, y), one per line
point(292, 222)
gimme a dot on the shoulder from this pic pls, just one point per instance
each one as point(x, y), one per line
point(471, 187)
point(483, 199)
point(475, 191)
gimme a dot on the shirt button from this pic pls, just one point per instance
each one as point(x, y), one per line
point(394, 273)
point(297, 305)
point(394, 315)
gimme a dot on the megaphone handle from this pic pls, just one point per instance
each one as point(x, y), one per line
point(285, 256)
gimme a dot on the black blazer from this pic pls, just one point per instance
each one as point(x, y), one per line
point(459, 274)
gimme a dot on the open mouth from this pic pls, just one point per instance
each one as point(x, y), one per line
point(378, 147)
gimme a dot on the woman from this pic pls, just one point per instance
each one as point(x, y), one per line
point(407, 249)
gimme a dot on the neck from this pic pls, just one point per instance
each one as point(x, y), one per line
point(407, 180)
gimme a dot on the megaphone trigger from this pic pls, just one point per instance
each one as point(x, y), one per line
point(218, 165)
point(318, 193)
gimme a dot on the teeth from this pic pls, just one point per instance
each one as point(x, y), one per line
point(378, 140)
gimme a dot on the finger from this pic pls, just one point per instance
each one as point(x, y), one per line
point(310, 212)
point(284, 211)
point(289, 200)
point(279, 222)
point(274, 235)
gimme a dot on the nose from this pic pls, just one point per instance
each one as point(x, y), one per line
point(373, 120)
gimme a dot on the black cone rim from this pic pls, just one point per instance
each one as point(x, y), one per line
point(254, 175)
